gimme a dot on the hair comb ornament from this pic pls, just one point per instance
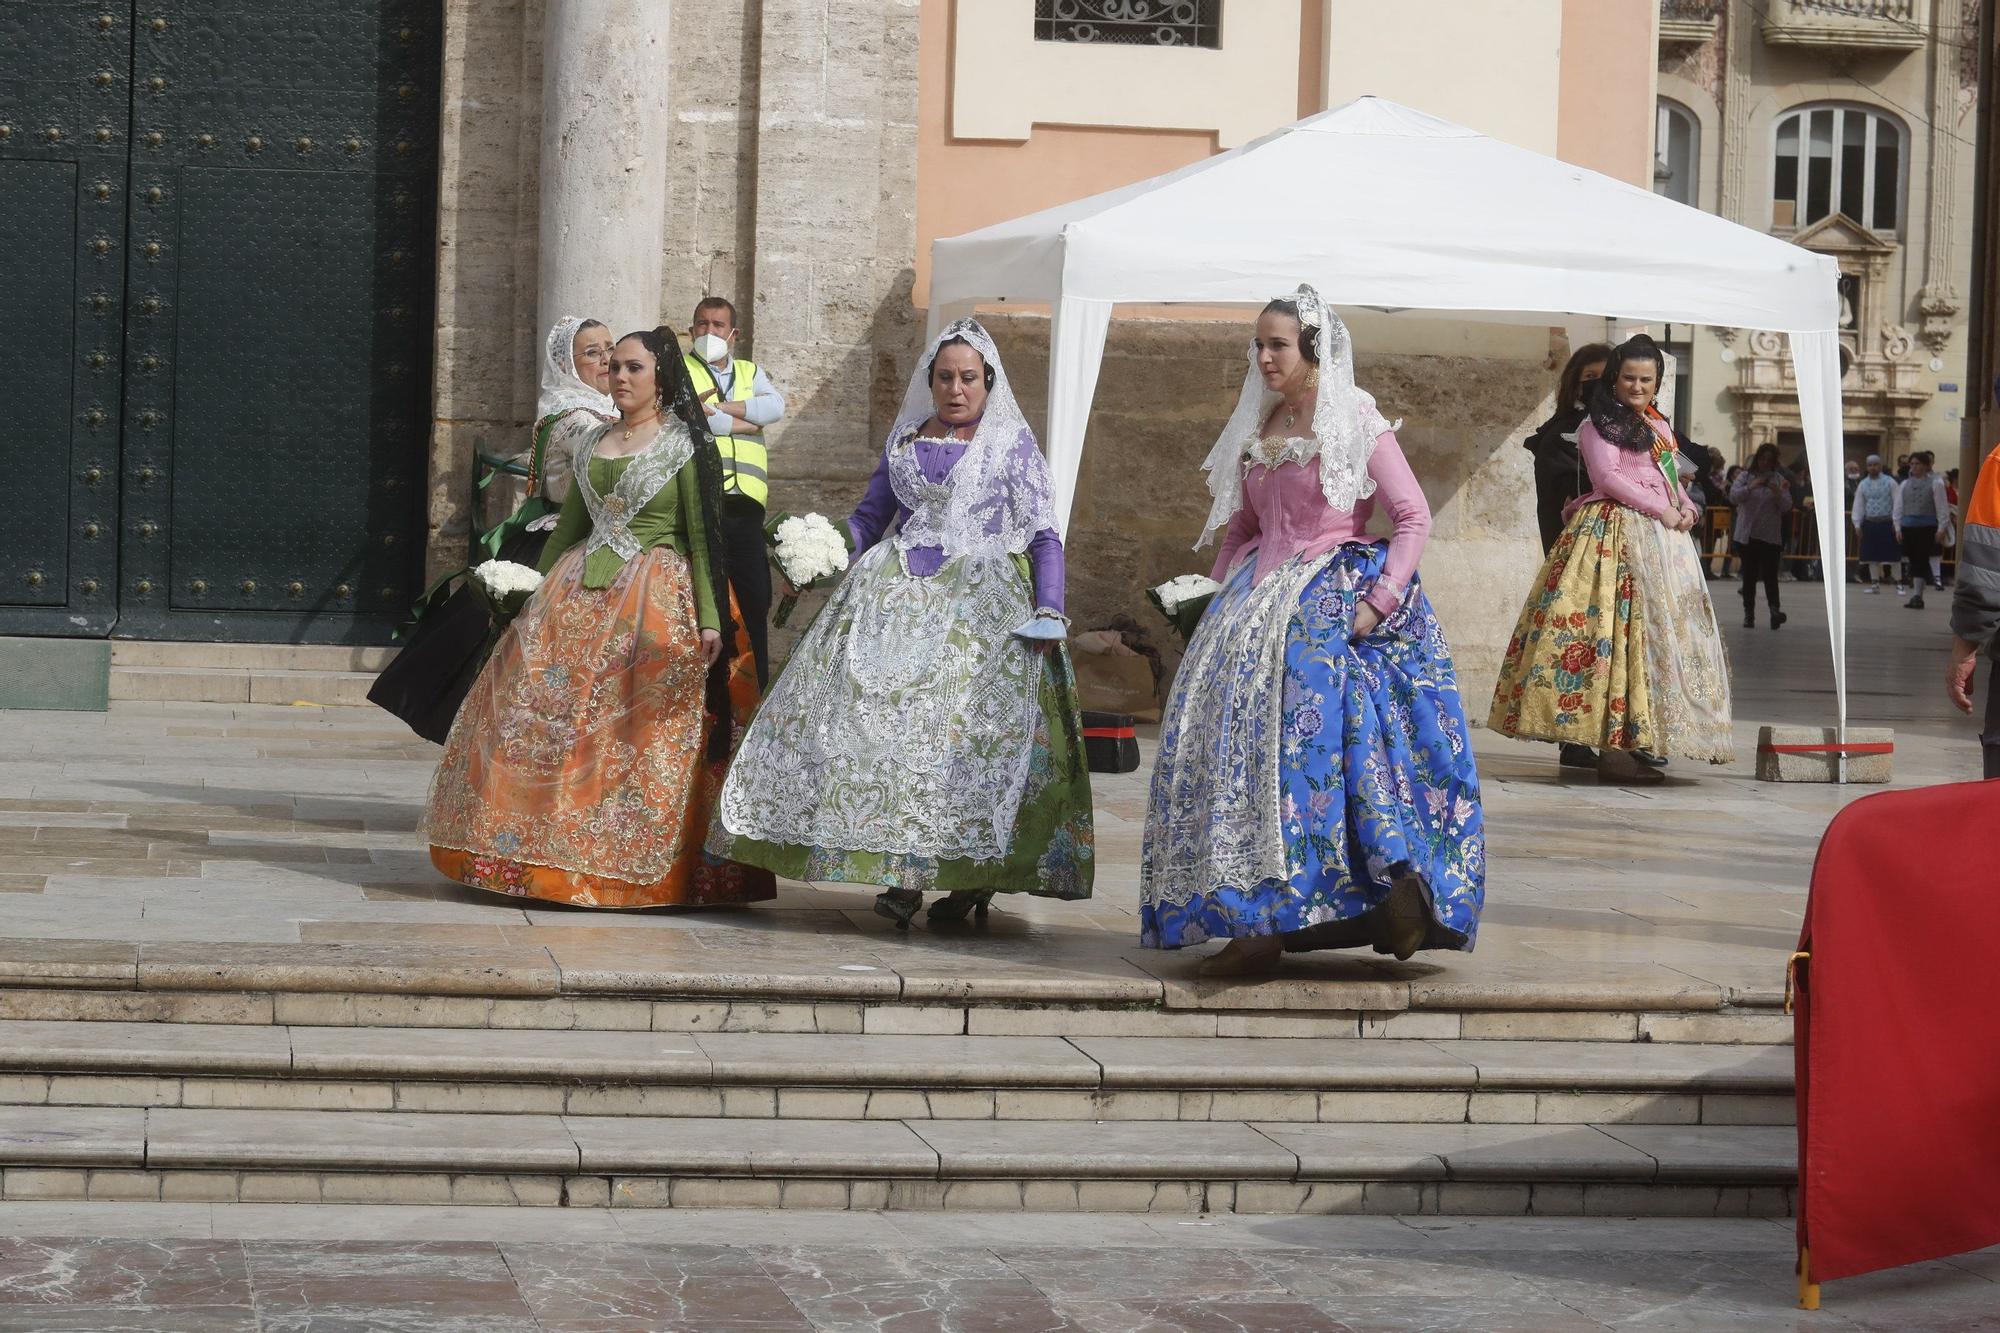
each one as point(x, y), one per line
point(1312, 310)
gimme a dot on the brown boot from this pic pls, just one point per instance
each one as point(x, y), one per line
point(1253, 956)
point(1620, 767)
point(1403, 921)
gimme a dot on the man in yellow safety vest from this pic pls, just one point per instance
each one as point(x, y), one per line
point(741, 402)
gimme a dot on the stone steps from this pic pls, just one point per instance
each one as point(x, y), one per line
point(249, 656)
point(657, 980)
point(239, 685)
point(625, 1070)
point(858, 1077)
point(237, 673)
point(886, 1016)
point(1133, 1166)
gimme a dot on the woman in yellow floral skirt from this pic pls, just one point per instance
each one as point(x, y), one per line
point(585, 762)
point(1617, 646)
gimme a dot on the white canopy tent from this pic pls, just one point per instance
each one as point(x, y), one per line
point(1390, 208)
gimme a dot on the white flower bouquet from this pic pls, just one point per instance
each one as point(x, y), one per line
point(806, 550)
point(1182, 601)
point(506, 587)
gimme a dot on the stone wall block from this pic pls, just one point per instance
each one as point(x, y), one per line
point(1146, 473)
point(843, 307)
point(481, 331)
point(480, 378)
point(478, 170)
point(711, 44)
point(476, 292)
point(683, 218)
point(896, 193)
point(722, 155)
point(797, 51)
point(783, 300)
point(863, 65)
point(810, 196)
point(450, 487)
point(827, 395)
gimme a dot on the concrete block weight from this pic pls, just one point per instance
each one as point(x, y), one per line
point(1813, 754)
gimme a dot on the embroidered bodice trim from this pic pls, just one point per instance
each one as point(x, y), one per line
point(647, 474)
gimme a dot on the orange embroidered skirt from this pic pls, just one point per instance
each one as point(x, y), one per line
point(578, 769)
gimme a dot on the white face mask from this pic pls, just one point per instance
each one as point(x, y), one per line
point(710, 348)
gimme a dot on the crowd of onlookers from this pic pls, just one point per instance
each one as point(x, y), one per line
point(1903, 522)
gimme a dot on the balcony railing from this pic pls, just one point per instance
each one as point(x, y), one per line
point(1689, 22)
point(1884, 25)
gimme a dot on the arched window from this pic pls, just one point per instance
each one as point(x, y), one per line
point(1835, 158)
point(1677, 154)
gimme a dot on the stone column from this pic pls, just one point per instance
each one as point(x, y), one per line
point(835, 238)
point(605, 131)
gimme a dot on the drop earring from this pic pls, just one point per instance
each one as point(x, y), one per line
point(1312, 378)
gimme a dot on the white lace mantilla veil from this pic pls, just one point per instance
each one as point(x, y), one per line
point(999, 494)
point(563, 390)
point(1345, 423)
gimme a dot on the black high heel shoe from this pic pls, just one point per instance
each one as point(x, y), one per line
point(899, 905)
point(960, 903)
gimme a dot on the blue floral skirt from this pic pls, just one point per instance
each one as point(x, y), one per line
point(1299, 771)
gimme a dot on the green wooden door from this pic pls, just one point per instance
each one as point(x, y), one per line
point(64, 97)
point(244, 345)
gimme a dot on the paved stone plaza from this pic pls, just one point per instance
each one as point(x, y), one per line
point(239, 847)
point(247, 1268)
point(177, 823)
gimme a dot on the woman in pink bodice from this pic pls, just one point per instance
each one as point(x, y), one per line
point(1616, 647)
point(1314, 787)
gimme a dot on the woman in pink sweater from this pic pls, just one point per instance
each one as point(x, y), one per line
point(1617, 647)
point(1314, 787)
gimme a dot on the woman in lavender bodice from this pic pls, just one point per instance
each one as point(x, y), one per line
point(1315, 785)
point(924, 735)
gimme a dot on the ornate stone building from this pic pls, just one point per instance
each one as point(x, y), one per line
point(811, 150)
point(1847, 127)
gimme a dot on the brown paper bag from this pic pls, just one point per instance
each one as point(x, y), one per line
point(1115, 684)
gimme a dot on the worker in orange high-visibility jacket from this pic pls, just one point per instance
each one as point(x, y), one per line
point(1975, 607)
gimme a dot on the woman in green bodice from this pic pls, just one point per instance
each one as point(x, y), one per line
point(586, 759)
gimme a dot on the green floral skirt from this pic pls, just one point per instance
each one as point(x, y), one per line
point(894, 720)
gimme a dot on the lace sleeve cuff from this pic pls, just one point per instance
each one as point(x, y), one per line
point(1385, 596)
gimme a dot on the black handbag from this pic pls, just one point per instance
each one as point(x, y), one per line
point(1109, 743)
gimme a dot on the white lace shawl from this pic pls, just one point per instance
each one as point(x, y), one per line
point(998, 495)
point(1345, 424)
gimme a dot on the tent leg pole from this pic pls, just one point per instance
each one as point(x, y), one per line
point(1808, 1289)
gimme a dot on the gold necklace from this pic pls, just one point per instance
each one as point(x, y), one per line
point(1272, 445)
point(633, 428)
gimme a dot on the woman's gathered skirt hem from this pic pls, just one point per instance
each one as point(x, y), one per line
point(1343, 763)
point(1050, 872)
point(706, 883)
point(1227, 913)
point(1616, 647)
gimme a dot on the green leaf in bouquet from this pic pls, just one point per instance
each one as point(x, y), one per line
point(1185, 616)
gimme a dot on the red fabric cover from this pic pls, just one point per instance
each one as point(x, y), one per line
point(1898, 1032)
